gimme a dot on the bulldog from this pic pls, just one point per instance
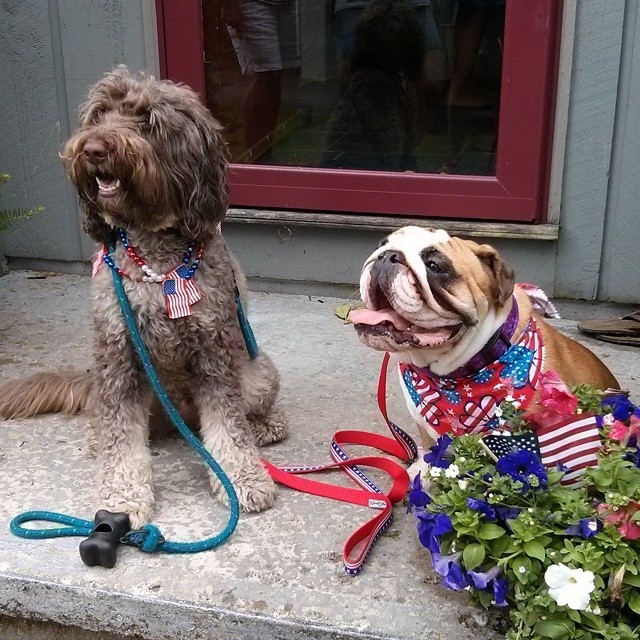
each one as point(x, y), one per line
point(465, 336)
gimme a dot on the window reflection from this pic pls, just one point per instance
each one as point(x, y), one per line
point(391, 85)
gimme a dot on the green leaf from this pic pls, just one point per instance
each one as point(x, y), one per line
point(574, 615)
point(343, 312)
point(535, 550)
point(634, 602)
point(490, 532)
point(631, 580)
point(552, 629)
point(473, 555)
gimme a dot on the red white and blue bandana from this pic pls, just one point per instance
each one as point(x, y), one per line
point(467, 404)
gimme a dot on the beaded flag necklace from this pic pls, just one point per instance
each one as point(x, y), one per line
point(178, 288)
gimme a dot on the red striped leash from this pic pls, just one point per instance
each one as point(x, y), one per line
point(360, 543)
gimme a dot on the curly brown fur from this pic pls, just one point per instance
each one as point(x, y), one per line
point(148, 157)
point(373, 124)
point(66, 392)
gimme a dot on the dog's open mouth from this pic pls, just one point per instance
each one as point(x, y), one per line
point(108, 185)
point(388, 323)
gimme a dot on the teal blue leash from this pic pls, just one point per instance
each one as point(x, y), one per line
point(149, 538)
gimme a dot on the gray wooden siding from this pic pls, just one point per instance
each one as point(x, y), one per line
point(620, 265)
point(51, 51)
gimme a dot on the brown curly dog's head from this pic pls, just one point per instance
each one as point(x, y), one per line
point(147, 155)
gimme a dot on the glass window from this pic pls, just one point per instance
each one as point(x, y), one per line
point(376, 85)
point(452, 119)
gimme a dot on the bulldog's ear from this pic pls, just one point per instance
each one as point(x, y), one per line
point(503, 275)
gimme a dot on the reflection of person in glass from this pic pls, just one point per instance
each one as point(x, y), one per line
point(347, 13)
point(472, 18)
point(373, 124)
point(265, 36)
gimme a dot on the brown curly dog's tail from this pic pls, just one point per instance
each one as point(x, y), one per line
point(46, 393)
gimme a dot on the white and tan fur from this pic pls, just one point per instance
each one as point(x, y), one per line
point(454, 294)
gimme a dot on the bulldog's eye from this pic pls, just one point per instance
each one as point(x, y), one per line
point(433, 266)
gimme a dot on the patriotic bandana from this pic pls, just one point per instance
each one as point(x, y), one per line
point(467, 404)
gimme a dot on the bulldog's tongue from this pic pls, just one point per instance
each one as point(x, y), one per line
point(425, 337)
point(372, 318)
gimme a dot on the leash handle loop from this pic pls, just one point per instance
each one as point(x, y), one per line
point(360, 543)
point(75, 526)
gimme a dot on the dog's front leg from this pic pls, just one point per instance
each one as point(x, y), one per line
point(260, 383)
point(227, 436)
point(121, 421)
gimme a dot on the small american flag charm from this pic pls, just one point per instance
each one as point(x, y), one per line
point(180, 294)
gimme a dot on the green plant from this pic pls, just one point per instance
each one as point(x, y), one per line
point(564, 559)
point(9, 216)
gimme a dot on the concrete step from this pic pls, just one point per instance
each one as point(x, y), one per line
point(280, 576)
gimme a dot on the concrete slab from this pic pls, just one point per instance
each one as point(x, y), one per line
point(280, 575)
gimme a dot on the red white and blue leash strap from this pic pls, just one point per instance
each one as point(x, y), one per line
point(359, 544)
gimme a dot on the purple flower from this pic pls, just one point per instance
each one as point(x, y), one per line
point(483, 507)
point(482, 580)
point(586, 528)
point(430, 527)
point(521, 464)
point(489, 581)
point(456, 579)
point(507, 513)
point(441, 564)
point(500, 588)
point(436, 455)
point(417, 496)
point(621, 406)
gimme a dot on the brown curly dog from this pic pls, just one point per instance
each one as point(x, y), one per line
point(148, 158)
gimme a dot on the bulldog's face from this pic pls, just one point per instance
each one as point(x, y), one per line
point(427, 292)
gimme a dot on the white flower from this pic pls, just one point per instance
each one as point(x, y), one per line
point(608, 420)
point(435, 472)
point(510, 399)
point(463, 484)
point(498, 412)
point(452, 471)
point(516, 404)
point(522, 569)
point(569, 587)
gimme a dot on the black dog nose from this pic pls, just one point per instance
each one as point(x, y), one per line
point(95, 151)
point(395, 257)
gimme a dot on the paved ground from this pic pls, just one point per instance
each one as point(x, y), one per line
point(280, 575)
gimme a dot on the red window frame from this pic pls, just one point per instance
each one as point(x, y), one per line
point(517, 192)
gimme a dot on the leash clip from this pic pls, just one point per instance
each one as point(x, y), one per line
point(101, 546)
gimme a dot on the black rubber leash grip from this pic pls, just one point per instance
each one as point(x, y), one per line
point(100, 548)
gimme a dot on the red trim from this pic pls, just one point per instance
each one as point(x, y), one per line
point(518, 192)
point(162, 44)
point(181, 42)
